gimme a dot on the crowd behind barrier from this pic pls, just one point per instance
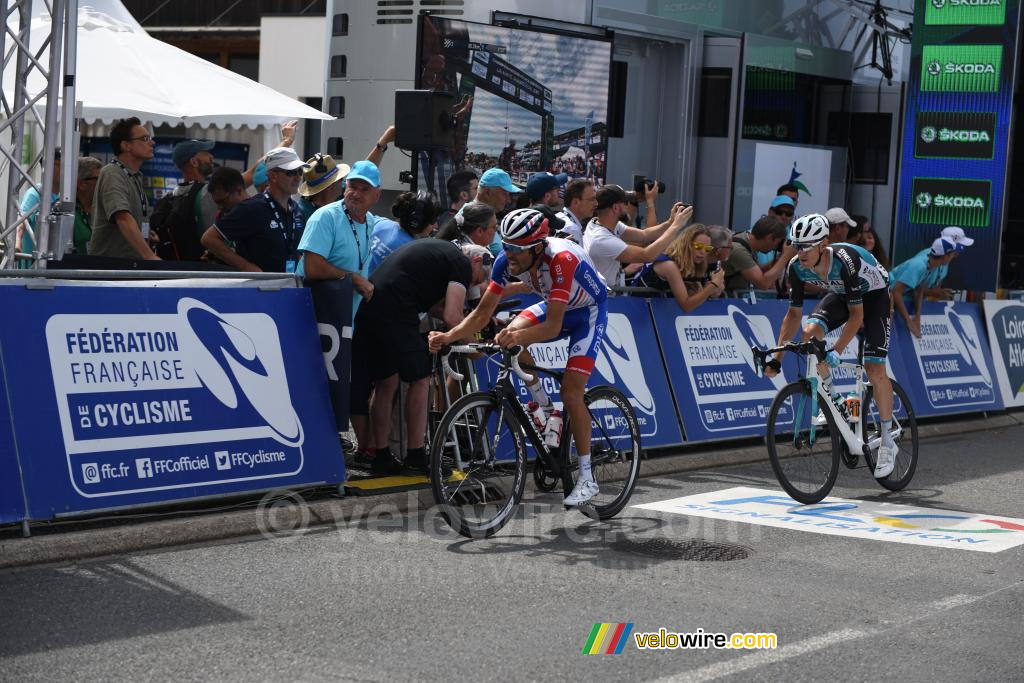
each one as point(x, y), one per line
point(678, 349)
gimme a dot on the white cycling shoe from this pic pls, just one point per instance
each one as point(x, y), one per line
point(584, 490)
point(886, 460)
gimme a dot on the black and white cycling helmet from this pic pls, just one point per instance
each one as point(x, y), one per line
point(809, 229)
point(524, 227)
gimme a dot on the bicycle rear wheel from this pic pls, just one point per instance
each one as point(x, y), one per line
point(478, 464)
point(803, 443)
point(614, 450)
point(904, 431)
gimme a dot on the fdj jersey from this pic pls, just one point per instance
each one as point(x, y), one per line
point(853, 273)
point(565, 274)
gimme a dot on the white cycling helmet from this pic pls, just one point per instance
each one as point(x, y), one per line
point(524, 227)
point(809, 229)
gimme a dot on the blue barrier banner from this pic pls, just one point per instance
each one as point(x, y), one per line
point(12, 499)
point(129, 396)
point(949, 368)
point(711, 368)
point(628, 360)
point(1006, 340)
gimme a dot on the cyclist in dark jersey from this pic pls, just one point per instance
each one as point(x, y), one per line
point(858, 296)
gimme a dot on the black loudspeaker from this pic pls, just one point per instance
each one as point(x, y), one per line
point(423, 120)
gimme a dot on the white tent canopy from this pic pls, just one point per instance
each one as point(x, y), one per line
point(122, 71)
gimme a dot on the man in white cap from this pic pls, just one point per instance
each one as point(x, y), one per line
point(839, 224)
point(266, 229)
point(915, 274)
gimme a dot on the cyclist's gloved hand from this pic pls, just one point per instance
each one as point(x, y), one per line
point(832, 359)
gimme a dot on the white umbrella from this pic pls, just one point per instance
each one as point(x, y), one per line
point(122, 71)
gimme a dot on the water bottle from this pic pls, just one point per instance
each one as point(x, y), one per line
point(840, 403)
point(540, 416)
point(553, 430)
point(853, 407)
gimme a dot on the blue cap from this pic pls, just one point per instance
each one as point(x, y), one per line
point(364, 170)
point(783, 200)
point(259, 176)
point(184, 151)
point(495, 177)
point(541, 183)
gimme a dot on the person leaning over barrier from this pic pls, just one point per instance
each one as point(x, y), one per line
point(683, 270)
point(741, 267)
point(417, 214)
point(475, 223)
point(610, 244)
point(915, 274)
point(419, 277)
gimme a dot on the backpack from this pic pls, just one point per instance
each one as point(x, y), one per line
point(174, 219)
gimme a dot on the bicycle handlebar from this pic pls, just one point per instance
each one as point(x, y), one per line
point(488, 348)
point(811, 346)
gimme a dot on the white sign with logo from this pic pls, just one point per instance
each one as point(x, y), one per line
point(1005, 320)
point(853, 518)
point(808, 168)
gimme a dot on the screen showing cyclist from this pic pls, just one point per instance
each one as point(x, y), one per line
point(574, 305)
point(857, 295)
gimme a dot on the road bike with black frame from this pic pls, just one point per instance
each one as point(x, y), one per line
point(808, 436)
point(479, 456)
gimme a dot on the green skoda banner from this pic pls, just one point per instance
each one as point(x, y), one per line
point(961, 68)
point(948, 201)
point(964, 12)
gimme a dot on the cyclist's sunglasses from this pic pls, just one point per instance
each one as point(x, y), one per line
point(515, 248)
point(805, 246)
point(707, 248)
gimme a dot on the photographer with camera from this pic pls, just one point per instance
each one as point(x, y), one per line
point(612, 244)
point(645, 191)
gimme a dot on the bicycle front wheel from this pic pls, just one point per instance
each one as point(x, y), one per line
point(803, 443)
point(478, 464)
point(904, 433)
point(614, 450)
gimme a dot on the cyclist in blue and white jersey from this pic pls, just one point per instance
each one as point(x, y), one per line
point(575, 305)
point(857, 295)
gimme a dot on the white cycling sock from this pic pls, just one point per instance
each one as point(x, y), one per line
point(584, 470)
point(538, 394)
point(887, 433)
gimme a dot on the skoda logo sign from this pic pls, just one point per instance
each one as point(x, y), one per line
point(928, 134)
point(934, 67)
point(924, 200)
point(938, 4)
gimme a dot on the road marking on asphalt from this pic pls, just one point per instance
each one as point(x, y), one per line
point(853, 518)
point(756, 660)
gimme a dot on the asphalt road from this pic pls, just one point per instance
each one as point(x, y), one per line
point(391, 596)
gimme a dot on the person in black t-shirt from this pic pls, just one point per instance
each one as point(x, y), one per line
point(422, 276)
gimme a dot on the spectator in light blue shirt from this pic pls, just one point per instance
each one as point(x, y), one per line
point(914, 274)
point(336, 241)
point(417, 214)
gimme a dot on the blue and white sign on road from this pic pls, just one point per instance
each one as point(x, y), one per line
point(949, 368)
point(711, 366)
point(853, 519)
point(144, 395)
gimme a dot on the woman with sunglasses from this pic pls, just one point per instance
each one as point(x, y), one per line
point(574, 305)
point(683, 270)
point(857, 295)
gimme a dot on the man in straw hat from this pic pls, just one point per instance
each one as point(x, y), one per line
point(321, 183)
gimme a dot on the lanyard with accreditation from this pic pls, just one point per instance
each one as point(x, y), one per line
point(289, 228)
point(135, 178)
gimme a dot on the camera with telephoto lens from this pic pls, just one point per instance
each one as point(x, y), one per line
point(640, 185)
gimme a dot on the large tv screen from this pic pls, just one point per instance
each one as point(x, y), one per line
point(525, 101)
